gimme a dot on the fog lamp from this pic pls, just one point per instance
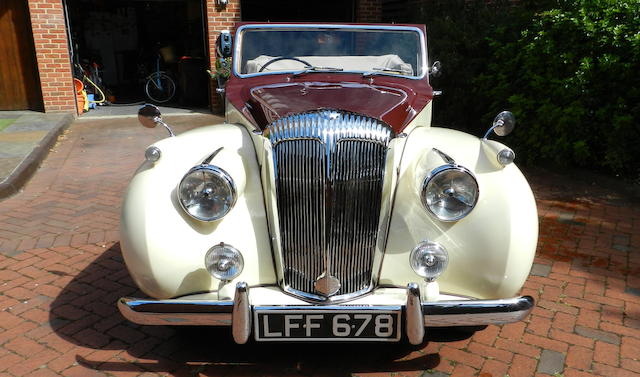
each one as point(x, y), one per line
point(224, 262)
point(429, 259)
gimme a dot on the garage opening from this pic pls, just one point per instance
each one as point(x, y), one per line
point(298, 11)
point(135, 51)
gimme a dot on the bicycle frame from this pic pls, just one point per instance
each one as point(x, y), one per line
point(157, 81)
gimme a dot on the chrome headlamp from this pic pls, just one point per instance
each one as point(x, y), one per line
point(207, 193)
point(450, 192)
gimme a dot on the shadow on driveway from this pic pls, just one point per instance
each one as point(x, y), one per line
point(85, 314)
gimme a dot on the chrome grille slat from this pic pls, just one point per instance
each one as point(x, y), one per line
point(329, 174)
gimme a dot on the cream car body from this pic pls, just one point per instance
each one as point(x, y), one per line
point(490, 250)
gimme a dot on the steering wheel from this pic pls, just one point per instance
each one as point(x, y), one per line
point(283, 58)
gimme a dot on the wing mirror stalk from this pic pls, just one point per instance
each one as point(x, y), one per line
point(436, 69)
point(503, 124)
point(149, 116)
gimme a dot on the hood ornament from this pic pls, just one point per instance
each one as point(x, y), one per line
point(327, 284)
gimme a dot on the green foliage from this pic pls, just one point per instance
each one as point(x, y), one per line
point(223, 69)
point(573, 75)
point(459, 34)
point(568, 69)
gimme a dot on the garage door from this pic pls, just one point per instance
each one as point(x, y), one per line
point(19, 82)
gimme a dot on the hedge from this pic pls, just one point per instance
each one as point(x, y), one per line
point(568, 69)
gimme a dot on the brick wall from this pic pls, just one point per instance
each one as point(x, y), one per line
point(52, 52)
point(368, 10)
point(219, 19)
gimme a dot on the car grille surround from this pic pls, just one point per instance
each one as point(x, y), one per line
point(329, 172)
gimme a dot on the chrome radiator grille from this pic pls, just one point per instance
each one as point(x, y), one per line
point(329, 169)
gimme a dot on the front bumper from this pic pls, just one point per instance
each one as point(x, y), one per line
point(237, 313)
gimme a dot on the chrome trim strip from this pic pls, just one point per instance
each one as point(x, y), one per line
point(241, 318)
point(448, 159)
point(238, 44)
point(341, 308)
point(414, 319)
point(211, 156)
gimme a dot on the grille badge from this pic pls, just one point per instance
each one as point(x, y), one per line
point(327, 285)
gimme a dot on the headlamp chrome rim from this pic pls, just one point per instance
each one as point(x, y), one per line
point(226, 177)
point(432, 175)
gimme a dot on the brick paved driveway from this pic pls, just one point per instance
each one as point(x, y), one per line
point(61, 273)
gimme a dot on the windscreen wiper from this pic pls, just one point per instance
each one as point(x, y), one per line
point(310, 68)
point(377, 71)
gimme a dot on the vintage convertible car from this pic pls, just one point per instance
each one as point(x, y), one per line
point(326, 207)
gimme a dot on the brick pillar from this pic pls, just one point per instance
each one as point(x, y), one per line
point(368, 10)
point(219, 19)
point(52, 52)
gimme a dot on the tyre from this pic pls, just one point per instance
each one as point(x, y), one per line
point(159, 87)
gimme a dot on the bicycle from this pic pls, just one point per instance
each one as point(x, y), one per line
point(159, 86)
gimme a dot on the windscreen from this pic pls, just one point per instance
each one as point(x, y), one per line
point(278, 49)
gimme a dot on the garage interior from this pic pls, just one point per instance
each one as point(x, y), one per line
point(124, 39)
point(118, 43)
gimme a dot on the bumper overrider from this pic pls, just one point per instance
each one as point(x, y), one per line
point(355, 322)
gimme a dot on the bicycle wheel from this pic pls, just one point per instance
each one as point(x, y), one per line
point(159, 87)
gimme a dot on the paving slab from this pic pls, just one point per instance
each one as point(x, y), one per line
point(24, 144)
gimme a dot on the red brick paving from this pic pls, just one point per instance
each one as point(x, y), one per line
point(61, 272)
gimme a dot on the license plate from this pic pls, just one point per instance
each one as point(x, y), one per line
point(327, 325)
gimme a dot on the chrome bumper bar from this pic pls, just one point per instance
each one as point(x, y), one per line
point(237, 313)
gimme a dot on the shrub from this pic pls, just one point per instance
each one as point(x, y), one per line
point(459, 33)
point(572, 80)
point(568, 69)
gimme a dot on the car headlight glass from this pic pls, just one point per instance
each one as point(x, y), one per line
point(450, 192)
point(224, 262)
point(207, 193)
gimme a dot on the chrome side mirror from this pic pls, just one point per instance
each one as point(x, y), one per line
point(149, 116)
point(503, 124)
point(436, 69)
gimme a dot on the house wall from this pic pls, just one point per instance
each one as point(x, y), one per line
point(368, 11)
point(52, 54)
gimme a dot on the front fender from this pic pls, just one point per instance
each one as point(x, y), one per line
point(492, 249)
point(163, 247)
